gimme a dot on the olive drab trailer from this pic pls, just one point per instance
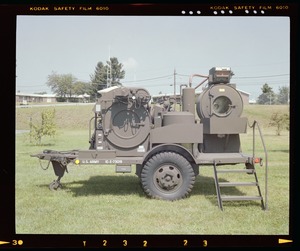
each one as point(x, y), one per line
point(167, 147)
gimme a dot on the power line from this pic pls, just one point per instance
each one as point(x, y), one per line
point(184, 75)
point(270, 76)
point(149, 79)
point(171, 75)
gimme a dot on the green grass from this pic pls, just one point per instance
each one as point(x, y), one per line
point(96, 200)
point(66, 117)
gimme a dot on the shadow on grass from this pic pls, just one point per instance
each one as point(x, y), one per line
point(111, 185)
point(284, 151)
point(101, 185)
point(130, 185)
point(40, 145)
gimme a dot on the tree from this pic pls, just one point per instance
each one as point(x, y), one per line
point(107, 75)
point(46, 127)
point(80, 87)
point(280, 121)
point(267, 97)
point(116, 71)
point(62, 84)
point(99, 78)
point(283, 95)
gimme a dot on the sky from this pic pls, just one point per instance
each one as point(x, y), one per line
point(152, 48)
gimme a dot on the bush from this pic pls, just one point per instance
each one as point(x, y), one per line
point(46, 127)
point(280, 121)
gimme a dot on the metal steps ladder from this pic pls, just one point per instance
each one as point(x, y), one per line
point(219, 185)
point(250, 171)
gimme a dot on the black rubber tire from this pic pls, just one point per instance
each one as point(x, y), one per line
point(167, 176)
point(55, 185)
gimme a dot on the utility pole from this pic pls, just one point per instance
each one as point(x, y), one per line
point(175, 83)
point(108, 72)
point(175, 98)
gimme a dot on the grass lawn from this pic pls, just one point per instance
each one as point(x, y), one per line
point(96, 200)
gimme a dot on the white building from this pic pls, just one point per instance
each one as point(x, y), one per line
point(25, 98)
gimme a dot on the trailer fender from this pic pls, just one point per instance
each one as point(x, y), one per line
point(173, 148)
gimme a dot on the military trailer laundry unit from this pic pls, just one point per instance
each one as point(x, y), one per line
point(167, 146)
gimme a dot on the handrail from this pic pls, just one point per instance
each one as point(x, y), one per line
point(255, 123)
point(90, 122)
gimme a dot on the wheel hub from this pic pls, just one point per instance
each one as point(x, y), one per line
point(167, 177)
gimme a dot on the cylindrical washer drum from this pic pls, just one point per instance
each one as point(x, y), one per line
point(220, 100)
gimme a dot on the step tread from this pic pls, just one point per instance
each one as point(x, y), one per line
point(240, 197)
point(235, 171)
point(231, 184)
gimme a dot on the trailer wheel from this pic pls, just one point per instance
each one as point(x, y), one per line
point(168, 176)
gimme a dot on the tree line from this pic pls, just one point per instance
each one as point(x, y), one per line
point(269, 97)
point(66, 86)
point(110, 73)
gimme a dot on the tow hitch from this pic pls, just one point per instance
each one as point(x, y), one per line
point(59, 160)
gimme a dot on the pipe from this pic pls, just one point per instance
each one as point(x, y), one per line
point(196, 75)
